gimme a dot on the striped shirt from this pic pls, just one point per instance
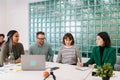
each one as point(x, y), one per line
point(68, 55)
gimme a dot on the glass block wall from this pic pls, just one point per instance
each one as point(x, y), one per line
point(83, 18)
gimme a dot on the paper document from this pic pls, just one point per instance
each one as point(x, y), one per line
point(82, 68)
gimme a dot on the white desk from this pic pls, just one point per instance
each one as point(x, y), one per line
point(66, 72)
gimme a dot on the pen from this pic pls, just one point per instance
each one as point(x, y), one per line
point(78, 60)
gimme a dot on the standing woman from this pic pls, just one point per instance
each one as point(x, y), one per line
point(68, 53)
point(12, 46)
point(102, 53)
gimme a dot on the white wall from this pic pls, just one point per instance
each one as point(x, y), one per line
point(2, 15)
point(14, 14)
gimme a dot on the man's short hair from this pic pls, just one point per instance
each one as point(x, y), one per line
point(40, 32)
point(2, 35)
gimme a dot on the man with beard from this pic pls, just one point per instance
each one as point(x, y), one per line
point(41, 47)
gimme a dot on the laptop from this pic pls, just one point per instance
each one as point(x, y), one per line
point(33, 62)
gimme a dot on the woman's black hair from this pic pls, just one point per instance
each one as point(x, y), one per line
point(10, 35)
point(106, 38)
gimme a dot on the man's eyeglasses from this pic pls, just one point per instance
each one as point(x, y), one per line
point(41, 38)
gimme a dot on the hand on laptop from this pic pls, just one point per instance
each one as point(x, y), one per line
point(18, 60)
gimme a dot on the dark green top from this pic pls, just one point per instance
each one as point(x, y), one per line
point(109, 56)
point(17, 50)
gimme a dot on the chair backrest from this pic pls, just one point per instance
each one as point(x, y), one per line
point(118, 60)
point(117, 65)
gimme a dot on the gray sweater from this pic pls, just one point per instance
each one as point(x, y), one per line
point(68, 55)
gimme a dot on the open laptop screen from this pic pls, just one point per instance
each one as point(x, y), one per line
point(33, 62)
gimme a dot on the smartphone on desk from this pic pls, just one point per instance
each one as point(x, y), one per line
point(93, 73)
point(54, 68)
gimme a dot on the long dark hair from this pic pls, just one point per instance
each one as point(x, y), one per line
point(10, 35)
point(106, 38)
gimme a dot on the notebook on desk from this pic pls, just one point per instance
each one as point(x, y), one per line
point(33, 62)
